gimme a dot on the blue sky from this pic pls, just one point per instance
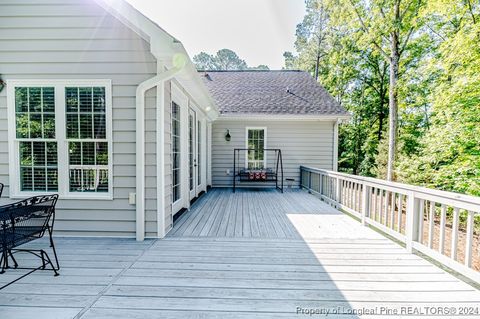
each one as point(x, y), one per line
point(258, 30)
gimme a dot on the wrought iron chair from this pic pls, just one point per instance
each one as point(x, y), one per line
point(23, 222)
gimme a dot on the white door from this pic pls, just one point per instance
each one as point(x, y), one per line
point(192, 153)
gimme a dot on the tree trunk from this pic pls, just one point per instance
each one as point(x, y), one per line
point(381, 115)
point(393, 104)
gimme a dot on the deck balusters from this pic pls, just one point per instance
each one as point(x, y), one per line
point(407, 213)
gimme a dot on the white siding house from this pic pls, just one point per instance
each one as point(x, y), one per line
point(105, 108)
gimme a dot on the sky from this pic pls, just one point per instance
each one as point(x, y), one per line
point(259, 31)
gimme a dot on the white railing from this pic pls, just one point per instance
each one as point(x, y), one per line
point(426, 220)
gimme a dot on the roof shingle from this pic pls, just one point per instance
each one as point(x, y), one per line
point(283, 92)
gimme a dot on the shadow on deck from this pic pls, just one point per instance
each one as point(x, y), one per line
point(252, 254)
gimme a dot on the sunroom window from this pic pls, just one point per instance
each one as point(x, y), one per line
point(62, 139)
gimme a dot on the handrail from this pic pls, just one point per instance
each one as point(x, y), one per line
point(414, 215)
point(401, 186)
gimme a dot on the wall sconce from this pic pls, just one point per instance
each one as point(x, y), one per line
point(228, 137)
point(2, 83)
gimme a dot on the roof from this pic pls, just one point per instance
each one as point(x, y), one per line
point(285, 92)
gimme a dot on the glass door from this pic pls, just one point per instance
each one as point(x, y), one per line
point(192, 153)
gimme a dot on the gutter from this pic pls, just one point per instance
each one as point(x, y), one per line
point(156, 81)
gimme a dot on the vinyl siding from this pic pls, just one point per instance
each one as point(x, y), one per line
point(72, 39)
point(302, 143)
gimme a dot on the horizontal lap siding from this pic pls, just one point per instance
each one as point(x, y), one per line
point(302, 143)
point(72, 39)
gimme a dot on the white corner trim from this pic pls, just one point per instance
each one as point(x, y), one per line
point(156, 81)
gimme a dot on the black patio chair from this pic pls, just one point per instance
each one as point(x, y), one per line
point(1, 189)
point(23, 222)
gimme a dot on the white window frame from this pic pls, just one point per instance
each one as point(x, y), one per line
point(60, 136)
point(181, 100)
point(264, 128)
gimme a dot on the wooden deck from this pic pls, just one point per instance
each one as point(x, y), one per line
point(258, 254)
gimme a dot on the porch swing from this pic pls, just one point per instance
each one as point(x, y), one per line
point(258, 175)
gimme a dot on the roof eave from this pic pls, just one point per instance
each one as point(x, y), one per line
point(285, 117)
point(163, 47)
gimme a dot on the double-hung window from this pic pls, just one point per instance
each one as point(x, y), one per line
point(256, 143)
point(61, 138)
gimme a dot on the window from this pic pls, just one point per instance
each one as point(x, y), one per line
point(191, 143)
point(35, 131)
point(199, 153)
point(256, 158)
point(176, 151)
point(62, 137)
point(86, 131)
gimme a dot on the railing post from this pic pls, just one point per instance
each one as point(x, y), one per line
point(366, 191)
point(411, 231)
point(320, 184)
point(310, 182)
point(338, 192)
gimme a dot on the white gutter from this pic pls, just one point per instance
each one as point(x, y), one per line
point(282, 117)
point(156, 81)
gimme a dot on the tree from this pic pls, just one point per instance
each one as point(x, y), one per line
point(228, 60)
point(313, 31)
point(449, 154)
point(289, 59)
point(399, 20)
point(429, 51)
point(205, 61)
point(224, 59)
point(260, 67)
point(356, 76)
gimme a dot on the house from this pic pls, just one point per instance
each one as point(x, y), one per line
point(104, 107)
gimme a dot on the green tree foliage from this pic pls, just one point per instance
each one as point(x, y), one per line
point(449, 153)
point(437, 87)
point(224, 59)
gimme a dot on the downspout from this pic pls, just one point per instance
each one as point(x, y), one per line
point(142, 88)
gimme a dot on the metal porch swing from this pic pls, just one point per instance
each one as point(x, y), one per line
point(256, 176)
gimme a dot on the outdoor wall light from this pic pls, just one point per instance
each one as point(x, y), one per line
point(2, 84)
point(228, 137)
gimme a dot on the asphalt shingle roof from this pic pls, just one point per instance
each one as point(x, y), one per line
point(283, 92)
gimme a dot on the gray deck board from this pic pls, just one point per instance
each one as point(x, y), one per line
point(252, 254)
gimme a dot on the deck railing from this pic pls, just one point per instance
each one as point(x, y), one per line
point(436, 223)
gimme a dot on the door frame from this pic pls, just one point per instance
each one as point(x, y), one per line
point(202, 168)
point(192, 153)
point(181, 99)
